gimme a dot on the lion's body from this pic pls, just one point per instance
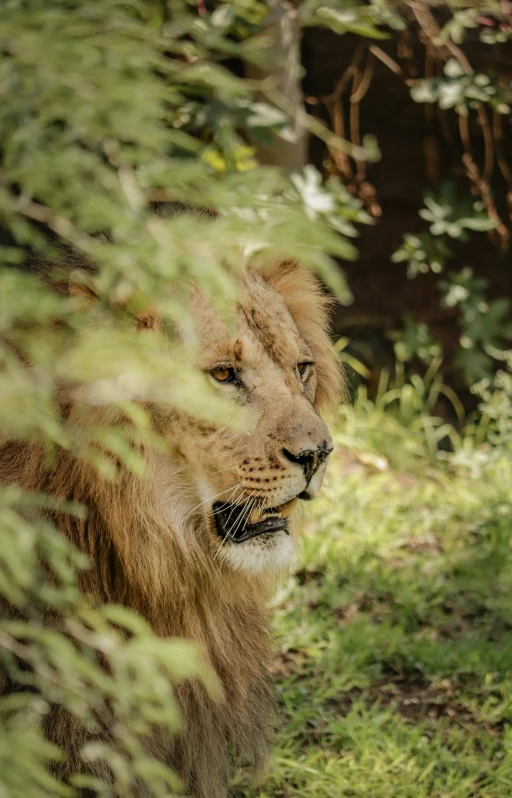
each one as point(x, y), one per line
point(151, 539)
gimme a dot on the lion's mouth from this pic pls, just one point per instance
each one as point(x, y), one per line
point(235, 524)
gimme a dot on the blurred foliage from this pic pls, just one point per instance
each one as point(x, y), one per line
point(453, 217)
point(415, 340)
point(495, 394)
point(485, 325)
point(362, 20)
point(461, 90)
point(422, 253)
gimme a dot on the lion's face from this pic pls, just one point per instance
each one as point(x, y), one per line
point(248, 483)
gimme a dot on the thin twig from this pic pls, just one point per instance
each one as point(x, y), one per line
point(464, 132)
point(365, 81)
point(489, 149)
point(354, 122)
point(498, 140)
point(485, 192)
point(386, 59)
point(339, 157)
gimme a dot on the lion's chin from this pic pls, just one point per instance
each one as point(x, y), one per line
point(268, 553)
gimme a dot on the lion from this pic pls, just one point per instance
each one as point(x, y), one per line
point(196, 543)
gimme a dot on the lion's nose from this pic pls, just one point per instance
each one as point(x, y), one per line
point(310, 460)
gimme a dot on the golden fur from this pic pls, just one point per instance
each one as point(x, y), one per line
point(152, 540)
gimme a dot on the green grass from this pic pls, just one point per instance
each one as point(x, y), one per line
point(395, 635)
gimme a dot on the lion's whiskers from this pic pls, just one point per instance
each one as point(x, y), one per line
point(210, 498)
point(230, 530)
point(235, 504)
point(229, 501)
point(244, 515)
point(245, 512)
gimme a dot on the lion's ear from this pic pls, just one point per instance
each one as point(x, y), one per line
point(309, 306)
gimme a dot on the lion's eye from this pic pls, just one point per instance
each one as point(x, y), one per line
point(303, 370)
point(224, 374)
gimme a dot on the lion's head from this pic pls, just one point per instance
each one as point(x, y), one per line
point(276, 361)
